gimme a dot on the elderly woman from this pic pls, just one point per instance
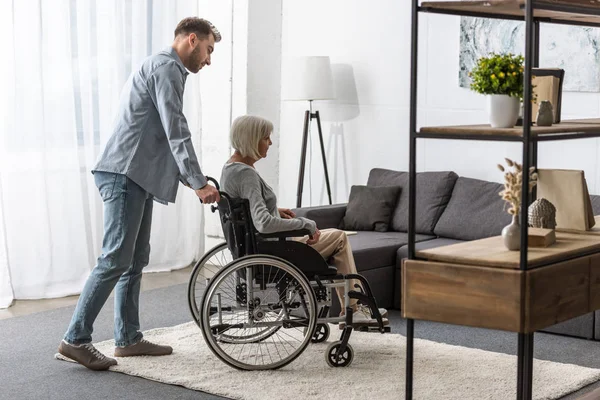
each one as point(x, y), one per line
point(251, 139)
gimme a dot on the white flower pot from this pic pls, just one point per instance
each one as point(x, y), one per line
point(503, 110)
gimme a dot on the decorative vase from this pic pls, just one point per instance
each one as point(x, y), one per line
point(511, 234)
point(545, 115)
point(504, 110)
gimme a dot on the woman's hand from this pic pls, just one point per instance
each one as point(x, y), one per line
point(286, 213)
point(314, 238)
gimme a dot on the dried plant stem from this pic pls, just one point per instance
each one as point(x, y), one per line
point(513, 182)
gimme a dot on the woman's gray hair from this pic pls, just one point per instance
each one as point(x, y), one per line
point(246, 133)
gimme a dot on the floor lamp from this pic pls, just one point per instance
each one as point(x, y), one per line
point(311, 80)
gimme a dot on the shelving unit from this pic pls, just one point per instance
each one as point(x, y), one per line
point(483, 261)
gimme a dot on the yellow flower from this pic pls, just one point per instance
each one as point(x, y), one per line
point(512, 66)
point(501, 75)
point(493, 76)
point(514, 74)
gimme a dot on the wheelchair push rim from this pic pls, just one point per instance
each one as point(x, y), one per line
point(205, 269)
point(231, 308)
point(212, 262)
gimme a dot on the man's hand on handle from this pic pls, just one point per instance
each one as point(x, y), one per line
point(208, 194)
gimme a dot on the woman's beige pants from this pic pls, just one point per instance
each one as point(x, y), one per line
point(334, 244)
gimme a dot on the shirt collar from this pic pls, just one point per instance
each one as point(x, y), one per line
point(173, 53)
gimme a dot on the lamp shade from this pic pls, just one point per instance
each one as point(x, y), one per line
point(308, 78)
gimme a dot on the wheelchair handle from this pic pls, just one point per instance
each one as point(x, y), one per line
point(214, 181)
point(223, 196)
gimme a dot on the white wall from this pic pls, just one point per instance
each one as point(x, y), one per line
point(369, 46)
point(250, 57)
point(264, 76)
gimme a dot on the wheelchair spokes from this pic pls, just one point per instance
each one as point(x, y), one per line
point(258, 313)
point(204, 270)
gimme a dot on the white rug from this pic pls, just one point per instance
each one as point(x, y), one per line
point(441, 371)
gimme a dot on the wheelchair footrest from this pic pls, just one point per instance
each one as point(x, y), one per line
point(372, 328)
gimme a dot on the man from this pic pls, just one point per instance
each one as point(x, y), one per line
point(149, 152)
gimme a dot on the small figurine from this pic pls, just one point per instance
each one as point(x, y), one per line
point(545, 115)
point(542, 214)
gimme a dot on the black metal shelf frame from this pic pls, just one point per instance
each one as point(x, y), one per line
point(529, 158)
point(503, 138)
point(572, 9)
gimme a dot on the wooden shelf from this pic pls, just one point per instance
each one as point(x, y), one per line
point(490, 252)
point(582, 12)
point(496, 298)
point(570, 126)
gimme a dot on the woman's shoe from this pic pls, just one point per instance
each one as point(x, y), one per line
point(361, 319)
point(367, 311)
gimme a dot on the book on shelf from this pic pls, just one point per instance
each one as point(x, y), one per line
point(548, 83)
point(540, 237)
point(567, 190)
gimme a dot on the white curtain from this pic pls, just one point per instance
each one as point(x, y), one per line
point(63, 65)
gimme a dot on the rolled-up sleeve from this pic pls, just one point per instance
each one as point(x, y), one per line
point(166, 86)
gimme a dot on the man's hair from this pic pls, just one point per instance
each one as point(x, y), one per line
point(246, 133)
point(201, 27)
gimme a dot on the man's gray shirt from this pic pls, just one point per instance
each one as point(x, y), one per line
point(151, 143)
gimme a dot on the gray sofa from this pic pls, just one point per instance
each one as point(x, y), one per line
point(450, 209)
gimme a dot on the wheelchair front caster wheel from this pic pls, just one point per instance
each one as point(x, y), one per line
point(321, 333)
point(335, 359)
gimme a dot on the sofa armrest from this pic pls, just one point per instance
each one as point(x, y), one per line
point(329, 216)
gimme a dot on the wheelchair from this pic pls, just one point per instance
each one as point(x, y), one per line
point(260, 300)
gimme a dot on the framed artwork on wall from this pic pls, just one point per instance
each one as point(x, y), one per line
point(573, 49)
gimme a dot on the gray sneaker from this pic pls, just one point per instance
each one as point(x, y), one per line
point(143, 348)
point(87, 355)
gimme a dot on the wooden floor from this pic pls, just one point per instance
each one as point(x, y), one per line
point(150, 281)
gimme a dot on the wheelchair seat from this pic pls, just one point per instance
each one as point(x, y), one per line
point(307, 259)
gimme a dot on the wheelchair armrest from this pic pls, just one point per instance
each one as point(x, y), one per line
point(285, 234)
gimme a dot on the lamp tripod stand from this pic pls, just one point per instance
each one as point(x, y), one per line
point(308, 117)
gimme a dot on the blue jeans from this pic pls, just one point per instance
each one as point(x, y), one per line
point(125, 252)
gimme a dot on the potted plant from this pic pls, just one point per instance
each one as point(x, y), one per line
point(501, 77)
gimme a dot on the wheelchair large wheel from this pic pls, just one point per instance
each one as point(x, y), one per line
point(208, 266)
point(204, 270)
point(258, 313)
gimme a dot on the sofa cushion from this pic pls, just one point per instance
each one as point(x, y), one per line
point(475, 211)
point(378, 249)
point(370, 208)
point(433, 192)
point(325, 217)
point(402, 252)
